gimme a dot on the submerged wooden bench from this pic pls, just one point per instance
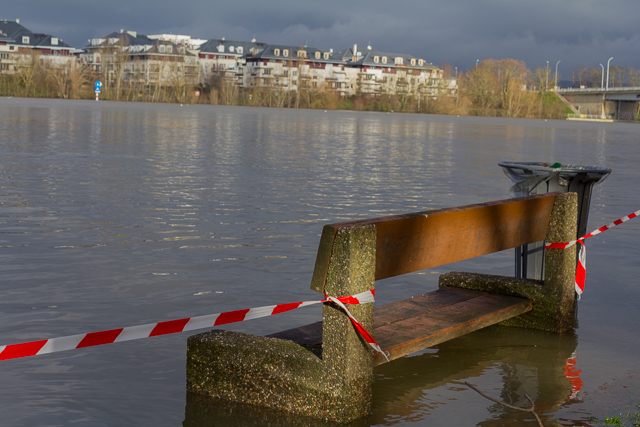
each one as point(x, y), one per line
point(325, 369)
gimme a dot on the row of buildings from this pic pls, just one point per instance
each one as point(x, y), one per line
point(126, 57)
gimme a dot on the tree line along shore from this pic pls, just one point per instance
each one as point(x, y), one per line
point(494, 88)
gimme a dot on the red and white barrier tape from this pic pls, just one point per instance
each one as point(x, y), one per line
point(581, 271)
point(71, 342)
point(361, 330)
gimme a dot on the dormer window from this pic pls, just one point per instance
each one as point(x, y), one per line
point(161, 48)
point(169, 49)
point(413, 61)
point(398, 60)
point(25, 39)
point(54, 41)
point(276, 52)
point(239, 49)
point(325, 55)
point(318, 55)
point(384, 59)
point(376, 59)
point(421, 62)
point(231, 49)
point(221, 48)
point(302, 54)
point(285, 52)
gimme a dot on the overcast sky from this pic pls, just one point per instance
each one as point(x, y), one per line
point(579, 33)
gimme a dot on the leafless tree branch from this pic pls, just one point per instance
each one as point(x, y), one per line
point(531, 409)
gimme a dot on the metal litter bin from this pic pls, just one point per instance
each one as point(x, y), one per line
point(530, 178)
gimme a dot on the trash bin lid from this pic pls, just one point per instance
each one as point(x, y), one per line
point(529, 168)
point(527, 175)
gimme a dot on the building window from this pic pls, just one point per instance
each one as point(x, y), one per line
point(376, 59)
point(421, 62)
point(413, 61)
point(161, 48)
point(231, 49)
point(169, 49)
point(318, 55)
point(285, 52)
point(54, 41)
point(25, 39)
point(239, 49)
point(384, 59)
point(325, 55)
point(276, 52)
point(302, 54)
point(398, 60)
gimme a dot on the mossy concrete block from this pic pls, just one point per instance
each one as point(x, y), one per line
point(333, 383)
point(560, 264)
point(258, 370)
point(347, 357)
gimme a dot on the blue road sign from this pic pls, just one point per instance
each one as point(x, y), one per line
point(98, 86)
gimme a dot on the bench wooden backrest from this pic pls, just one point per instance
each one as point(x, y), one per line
point(421, 240)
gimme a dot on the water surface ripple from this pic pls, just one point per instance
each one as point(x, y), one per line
point(116, 214)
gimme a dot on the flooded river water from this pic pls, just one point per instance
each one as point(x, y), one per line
point(119, 214)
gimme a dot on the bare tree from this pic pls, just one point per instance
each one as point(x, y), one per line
point(512, 77)
point(67, 81)
point(27, 68)
point(481, 87)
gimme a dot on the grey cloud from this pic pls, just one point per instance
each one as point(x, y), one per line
point(579, 33)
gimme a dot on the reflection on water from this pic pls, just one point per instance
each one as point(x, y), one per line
point(115, 214)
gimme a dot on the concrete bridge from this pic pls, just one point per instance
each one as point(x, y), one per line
point(618, 103)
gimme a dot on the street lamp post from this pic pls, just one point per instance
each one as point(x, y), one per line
point(602, 80)
point(608, 72)
point(555, 86)
point(477, 60)
point(546, 83)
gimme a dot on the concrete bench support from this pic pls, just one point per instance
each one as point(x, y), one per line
point(333, 382)
point(554, 299)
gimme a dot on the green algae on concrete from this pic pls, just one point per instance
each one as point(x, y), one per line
point(554, 299)
point(335, 385)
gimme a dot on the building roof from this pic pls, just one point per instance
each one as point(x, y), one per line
point(277, 52)
point(127, 38)
point(19, 35)
point(231, 47)
point(375, 58)
point(138, 44)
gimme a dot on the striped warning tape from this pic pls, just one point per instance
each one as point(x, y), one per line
point(581, 270)
point(129, 333)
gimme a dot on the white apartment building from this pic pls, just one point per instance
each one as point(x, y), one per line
point(347, 72)
point(129, 57)
point(20, 46)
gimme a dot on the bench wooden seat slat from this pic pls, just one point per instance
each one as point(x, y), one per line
point(413, 324)
point(474, 310)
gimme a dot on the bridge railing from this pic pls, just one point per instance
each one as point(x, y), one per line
point(590, 116)
point(598, 89)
